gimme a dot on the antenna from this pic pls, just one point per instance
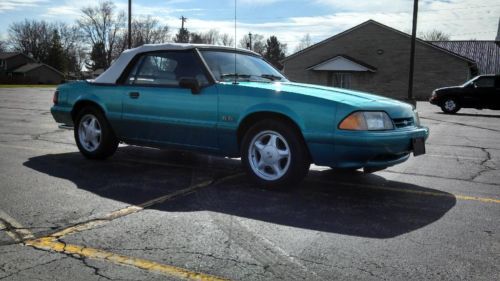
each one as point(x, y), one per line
point(235, 74)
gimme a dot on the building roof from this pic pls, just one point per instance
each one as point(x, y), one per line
point(7, 55)
point(486, 54)
point(115, 70)
point(343, 63)
point(380, 25)
point(32, 66)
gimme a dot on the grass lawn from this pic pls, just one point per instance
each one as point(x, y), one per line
point(26, 86)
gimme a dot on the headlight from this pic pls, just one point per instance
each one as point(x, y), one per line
point(367, 121)
point(417, 118)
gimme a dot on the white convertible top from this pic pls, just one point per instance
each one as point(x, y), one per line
point(115, 70)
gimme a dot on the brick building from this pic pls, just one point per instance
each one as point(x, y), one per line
point(375, 58)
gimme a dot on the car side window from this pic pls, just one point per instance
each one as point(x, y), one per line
point(485, 82)
point(166, 69)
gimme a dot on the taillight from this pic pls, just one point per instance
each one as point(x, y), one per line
point(55, 98)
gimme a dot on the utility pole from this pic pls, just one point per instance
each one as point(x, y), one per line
point(183, 19)
point(412, 52)
point(129, 24)
point(250, 44)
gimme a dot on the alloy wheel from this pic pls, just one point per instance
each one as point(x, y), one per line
point(269, 155)
point(89, 132)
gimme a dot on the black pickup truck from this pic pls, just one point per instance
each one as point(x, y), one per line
point(480, 92)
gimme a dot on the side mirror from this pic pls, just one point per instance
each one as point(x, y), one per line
point(190, 83)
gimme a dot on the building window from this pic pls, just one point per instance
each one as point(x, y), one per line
point(340, 80)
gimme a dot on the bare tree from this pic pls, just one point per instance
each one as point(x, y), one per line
point(258, 43)
point(149, 31)
point(434, 35)
point(102, 24)
point(31, 37)
point(226, 40)
point(214, 37)
point(145, 30)
point(3, 46)
point(304, 43)
point(211, 37)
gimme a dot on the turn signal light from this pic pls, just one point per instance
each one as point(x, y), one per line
point(367, 120)
point(355, 121)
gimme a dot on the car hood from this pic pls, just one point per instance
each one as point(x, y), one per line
point(451, 88)
point(340, 95)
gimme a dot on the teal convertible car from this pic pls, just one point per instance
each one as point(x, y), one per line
point(231, 102)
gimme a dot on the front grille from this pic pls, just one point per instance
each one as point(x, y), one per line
point(403, 122)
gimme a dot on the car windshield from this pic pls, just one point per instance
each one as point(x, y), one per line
point(470, 81)
point(248, 67)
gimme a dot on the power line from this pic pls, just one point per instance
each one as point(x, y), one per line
point(183, 20)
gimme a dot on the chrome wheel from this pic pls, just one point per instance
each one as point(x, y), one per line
point(269, 155)
point(450, 105)
point(89, 132)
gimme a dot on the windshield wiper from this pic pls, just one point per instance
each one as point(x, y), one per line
point(235, 75)
point(271, 77)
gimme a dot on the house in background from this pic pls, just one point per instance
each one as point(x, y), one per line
point(375, 58)
point(18, 68)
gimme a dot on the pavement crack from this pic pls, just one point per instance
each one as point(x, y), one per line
point(97, 270)
point(484, 165)
point(22, 108)
point(210, 255)
point(461, 124)
point(39, 136)
point(439, 177)
point(31, 267)
point(264, 251)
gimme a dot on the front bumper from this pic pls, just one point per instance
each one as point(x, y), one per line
point(354, 149)
point(434, 100)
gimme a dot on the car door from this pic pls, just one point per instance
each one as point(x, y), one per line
point(157, 110)
point(484, 89)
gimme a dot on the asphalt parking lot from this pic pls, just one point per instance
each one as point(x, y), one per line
point(147, 214)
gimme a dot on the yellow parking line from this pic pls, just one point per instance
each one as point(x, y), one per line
point(185, 191)
point(14, 229)
point(126, 211)
point(49, 243)
point(427, 193)
point(135, 208)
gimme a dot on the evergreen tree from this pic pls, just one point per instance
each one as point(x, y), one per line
point(97, 57)
point(182, 36)
point(197, 38)
point(275, 51)
point(56, 57)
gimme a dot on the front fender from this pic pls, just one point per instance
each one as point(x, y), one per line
point(273, 108)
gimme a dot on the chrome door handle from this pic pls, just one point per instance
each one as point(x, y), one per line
point(134, 95)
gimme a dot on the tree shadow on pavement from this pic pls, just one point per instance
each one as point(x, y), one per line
point(356, 204)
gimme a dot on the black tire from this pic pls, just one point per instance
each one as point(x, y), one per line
point(108, 143)
point(299, 160)
point(450, 105)
point(368, 170)
point(345, 170)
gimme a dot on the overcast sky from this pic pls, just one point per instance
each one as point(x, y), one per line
point(288, 19)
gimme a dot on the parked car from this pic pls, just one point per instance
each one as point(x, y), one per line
point(480, 92)
point(231, 102)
